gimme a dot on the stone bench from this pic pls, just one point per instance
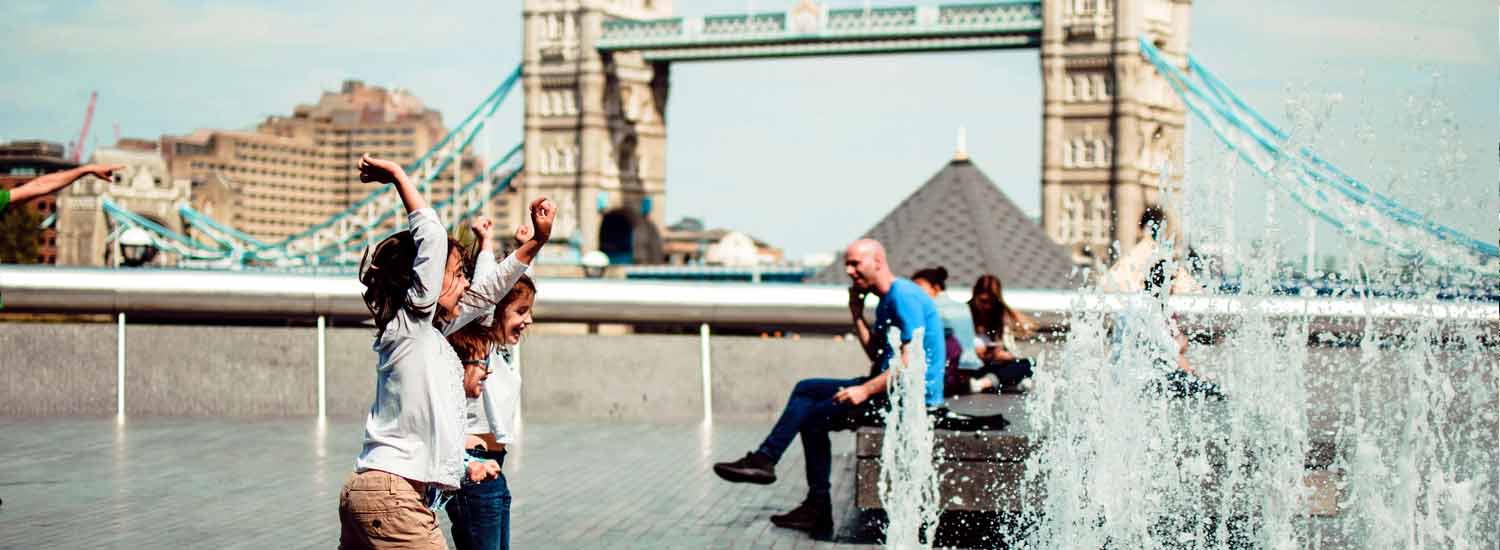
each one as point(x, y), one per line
point(984, 471)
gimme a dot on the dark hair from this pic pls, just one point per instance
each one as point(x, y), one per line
point(386, 272)
point(937, 276)
point(1153, 222)
point(990, 312)
point(524, 287)
point(474, 341)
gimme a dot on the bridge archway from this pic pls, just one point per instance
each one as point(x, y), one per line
point(628, 237)
point(596, 83)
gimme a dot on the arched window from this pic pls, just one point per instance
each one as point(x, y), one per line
point(1085, 92)
point(1067, 156)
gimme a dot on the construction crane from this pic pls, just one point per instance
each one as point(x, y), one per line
point(88, 117)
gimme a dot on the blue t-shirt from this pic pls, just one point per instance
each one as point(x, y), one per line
point(907, 307)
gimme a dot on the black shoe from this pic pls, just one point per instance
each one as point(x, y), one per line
point(944, 418)
point(815, 517)
point(754, 468)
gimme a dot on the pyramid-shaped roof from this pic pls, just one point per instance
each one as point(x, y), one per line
point(960, 220)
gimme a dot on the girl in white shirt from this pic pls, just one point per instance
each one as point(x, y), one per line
point(480, 512)
point(413, 441)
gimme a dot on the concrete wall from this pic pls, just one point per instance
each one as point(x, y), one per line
point(184, 370)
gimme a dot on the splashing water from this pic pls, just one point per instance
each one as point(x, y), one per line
point(908, 475)
point(1395, 403)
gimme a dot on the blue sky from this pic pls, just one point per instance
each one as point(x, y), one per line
point(805, 153)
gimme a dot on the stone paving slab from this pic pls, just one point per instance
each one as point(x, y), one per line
point(274, 483)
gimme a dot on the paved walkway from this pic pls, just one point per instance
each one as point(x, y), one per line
point(274, 483)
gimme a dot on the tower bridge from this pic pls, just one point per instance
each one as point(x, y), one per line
point(1117, 86)
point(597, 78)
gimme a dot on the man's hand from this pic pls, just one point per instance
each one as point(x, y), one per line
point(856, 302)
point(380, 170)
point(523, 234)
point(482, 470)
point(853, 395)
point(543, 213)
point(103, 171)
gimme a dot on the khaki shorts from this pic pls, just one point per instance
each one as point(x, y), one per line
point(382, 510)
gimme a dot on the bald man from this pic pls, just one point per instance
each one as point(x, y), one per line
point(820, 405)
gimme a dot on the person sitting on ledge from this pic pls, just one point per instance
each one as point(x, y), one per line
point(820, 405)
point(961, 363)
point(996, 326)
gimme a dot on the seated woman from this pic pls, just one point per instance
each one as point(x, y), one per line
point(958, 329)
point(996, 327)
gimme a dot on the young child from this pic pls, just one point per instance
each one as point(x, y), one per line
point(481, 512)
point(413, 441)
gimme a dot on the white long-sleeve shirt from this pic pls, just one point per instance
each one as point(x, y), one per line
point(494, 411)
point(415, 425)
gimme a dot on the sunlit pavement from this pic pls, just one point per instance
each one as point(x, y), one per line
point(274, 483)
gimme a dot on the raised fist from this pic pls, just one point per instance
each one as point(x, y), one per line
point(523, 233)
point(379, 170)
point(543, 213)
point(484, 228)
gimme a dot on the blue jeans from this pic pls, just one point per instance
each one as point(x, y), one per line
point(480, 512)
point(808, 412)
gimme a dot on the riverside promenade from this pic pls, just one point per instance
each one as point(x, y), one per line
point(274, 483)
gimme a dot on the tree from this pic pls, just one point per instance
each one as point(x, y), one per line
point(20, 226)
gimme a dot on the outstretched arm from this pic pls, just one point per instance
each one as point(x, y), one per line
point(383, 171)
point(426, 231)
point(49, 183)
point(543, 212)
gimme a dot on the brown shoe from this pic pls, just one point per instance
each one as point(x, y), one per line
point(754, 468)
point(815, 517)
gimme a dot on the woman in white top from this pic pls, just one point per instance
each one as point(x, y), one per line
point(413, 440)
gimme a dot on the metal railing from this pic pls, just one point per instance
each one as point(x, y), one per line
point(187, 293)
point(226, 295)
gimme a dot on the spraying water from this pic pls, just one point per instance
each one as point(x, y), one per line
point(908, 476)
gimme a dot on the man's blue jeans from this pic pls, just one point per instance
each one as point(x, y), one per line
point(481, 513)
point(807, 413)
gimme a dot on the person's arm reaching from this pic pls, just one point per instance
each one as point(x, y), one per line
point(49, 183)
point(426, 231)
point(383, 171)
point(543, 212)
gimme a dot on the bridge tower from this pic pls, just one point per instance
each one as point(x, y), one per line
point(595, 129)
point(1110, 124)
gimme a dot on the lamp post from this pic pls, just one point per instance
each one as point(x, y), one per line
point(135, 247)
point(594, 264)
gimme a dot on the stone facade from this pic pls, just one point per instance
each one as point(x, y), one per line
point(295, 171)
point(143, 187)
point(1112, 128)
point(595, 129)
point(1110, 123)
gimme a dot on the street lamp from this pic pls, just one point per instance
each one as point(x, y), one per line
point(594, 263)
point(135, 247)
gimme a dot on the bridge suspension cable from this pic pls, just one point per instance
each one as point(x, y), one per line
point(348, 231)
point(1321, 188)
